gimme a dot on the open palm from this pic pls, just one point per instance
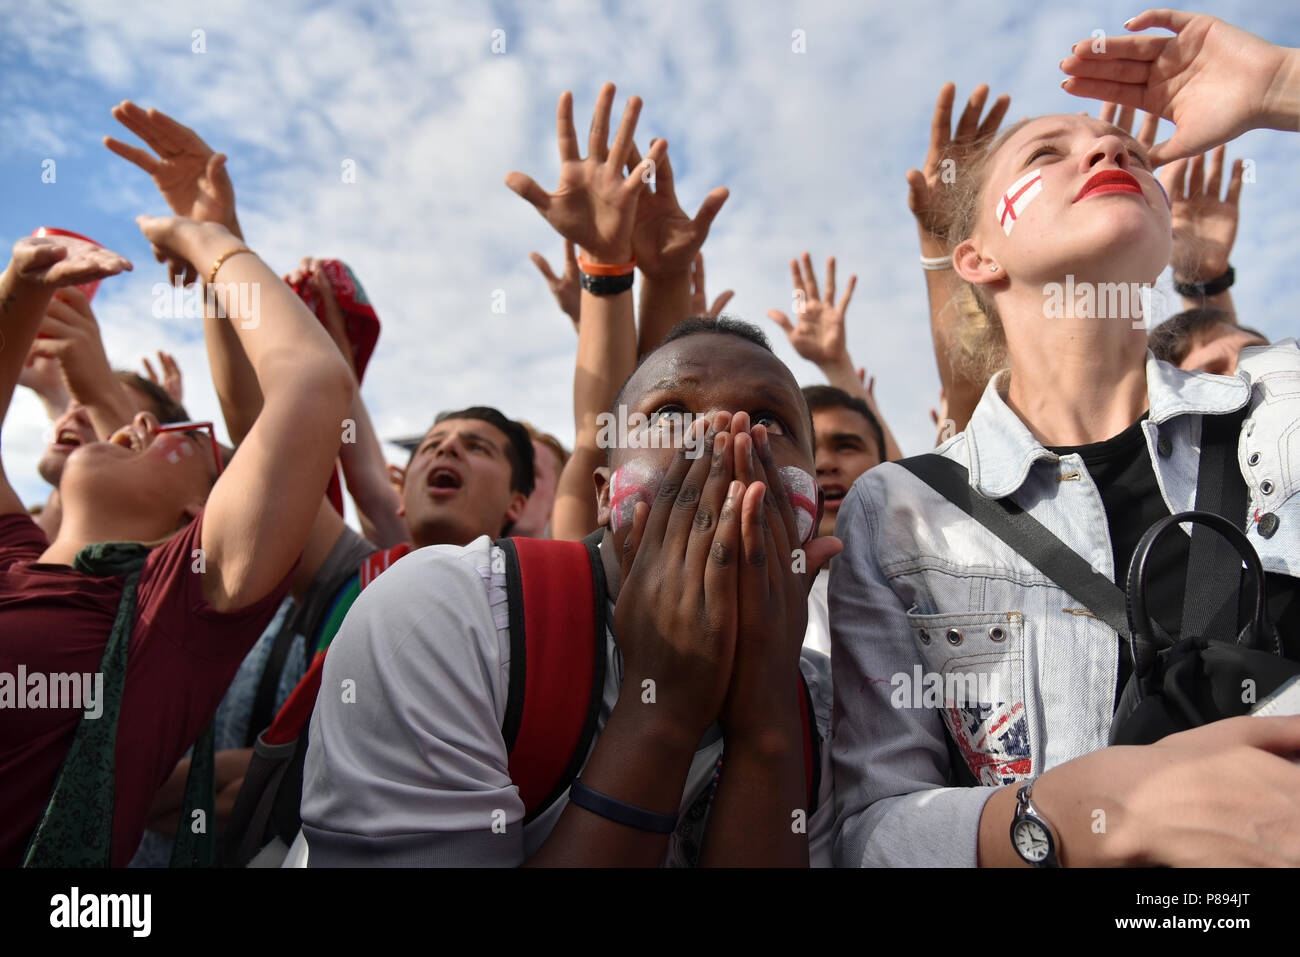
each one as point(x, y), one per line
point(1212, 79)
point(594, 205)
point(57, 261)
point(188, 173)
point(665, 239)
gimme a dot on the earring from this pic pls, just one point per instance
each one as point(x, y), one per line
point(993, 267)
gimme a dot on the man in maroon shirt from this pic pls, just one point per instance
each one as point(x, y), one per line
point(223, 542)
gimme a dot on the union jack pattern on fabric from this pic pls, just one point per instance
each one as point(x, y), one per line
point(994, 740)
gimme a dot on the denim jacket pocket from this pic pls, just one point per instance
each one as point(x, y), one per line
point(973, 672)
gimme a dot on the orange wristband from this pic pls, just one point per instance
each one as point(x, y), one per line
point(619, 269)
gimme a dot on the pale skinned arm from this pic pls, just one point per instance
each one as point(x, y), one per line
point(606, 357)
point(38, 267)
point(595, 208)
point(364, 468)
point(949, 299)
point(70, 334)
point(284, 462)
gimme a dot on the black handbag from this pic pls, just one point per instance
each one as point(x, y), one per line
point(1217, 668)
point(1203, 676)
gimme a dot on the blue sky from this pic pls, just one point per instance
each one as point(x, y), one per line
point(813, 146)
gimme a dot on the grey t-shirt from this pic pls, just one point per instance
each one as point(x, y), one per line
point(407, 764)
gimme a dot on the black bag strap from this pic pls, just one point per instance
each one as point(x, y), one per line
point(1211, 596)
point(1027, 536)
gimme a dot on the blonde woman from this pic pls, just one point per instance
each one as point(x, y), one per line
point(1096, 440)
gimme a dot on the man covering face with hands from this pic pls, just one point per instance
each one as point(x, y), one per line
point(700, 739)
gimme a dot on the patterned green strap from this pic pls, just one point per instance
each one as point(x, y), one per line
point(196, 833)
point(76, 827)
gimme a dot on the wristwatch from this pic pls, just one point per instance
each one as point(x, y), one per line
point(1030, 834)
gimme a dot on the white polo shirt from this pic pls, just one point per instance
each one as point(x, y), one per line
point(407, 765)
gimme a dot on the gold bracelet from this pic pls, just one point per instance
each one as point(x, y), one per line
point(212, 274)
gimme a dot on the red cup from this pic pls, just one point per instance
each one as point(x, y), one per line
point(88, 288)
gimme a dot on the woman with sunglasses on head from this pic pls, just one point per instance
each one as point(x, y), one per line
point(166, 566)
point(1095, 440)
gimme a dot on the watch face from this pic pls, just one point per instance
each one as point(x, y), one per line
point(1032, 840)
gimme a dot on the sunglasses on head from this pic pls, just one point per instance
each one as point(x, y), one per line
point(196, 430)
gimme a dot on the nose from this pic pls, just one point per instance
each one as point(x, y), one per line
point(1108, 148)
point(450, 446)
point(825, 464)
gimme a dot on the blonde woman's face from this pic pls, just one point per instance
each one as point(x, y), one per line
point(1070, 193)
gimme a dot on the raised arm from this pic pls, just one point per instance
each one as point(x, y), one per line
point(666, 242)
point(69, 333)
point(1214, 80)
point(951, 305)
point(364, 467)
point(262, 508)
point(818, 335)
point(192, 178)
point(595, 207)
point(1205, 226)
point(39, 266)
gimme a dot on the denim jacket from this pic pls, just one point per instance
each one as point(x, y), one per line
point(1023, 676)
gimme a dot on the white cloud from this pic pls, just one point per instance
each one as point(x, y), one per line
point(813, 146)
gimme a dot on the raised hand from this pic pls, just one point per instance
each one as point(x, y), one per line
point(42, 375)
point(188, 173)
point(171, 374)
point(1205, 226)
point(60, 261)
point(567, 287)
point(925, 185)
point(1214, 80)
point(1126, 114)
point(69, 334)
point(699, 298)
point(666, 240)
point(818, 332)
point(186, 245)
point(594, 205)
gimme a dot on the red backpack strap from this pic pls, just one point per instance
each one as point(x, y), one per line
point(812, 755)
point(557, 601)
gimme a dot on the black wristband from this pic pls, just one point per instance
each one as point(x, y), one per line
point(1203, 290)
point(606, 285)
point(615, 810)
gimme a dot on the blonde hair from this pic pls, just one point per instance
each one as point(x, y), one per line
point(979, 345)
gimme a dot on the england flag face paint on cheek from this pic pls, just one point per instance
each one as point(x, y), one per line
point(802, 491)
point(634, 482)
point(1012, 203)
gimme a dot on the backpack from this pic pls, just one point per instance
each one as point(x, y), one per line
point(557, 609)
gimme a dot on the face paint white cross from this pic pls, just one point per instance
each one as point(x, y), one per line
point(1019, 195)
